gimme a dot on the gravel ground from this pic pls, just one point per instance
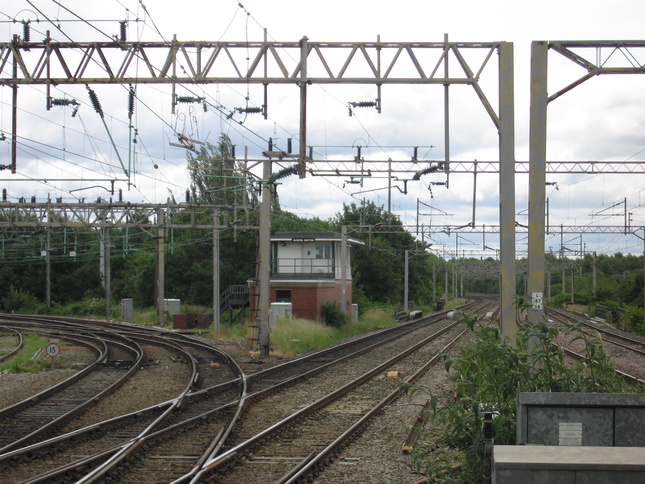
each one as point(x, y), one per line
point(151, 384)
point(377, 455)
point(19, 386)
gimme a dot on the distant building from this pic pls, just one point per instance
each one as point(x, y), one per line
point(306, 271)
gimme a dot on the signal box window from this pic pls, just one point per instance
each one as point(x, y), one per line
point(323, 251)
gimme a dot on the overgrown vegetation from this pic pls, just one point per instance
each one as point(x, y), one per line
point(487, 375)
point(24, 361)
point(333, 316)
point(292, 337)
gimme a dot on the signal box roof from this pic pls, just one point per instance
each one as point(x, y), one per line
point(312, 237)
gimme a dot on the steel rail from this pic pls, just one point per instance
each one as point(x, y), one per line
point(305, 470)
point(603, 330)
point(187, 398)
point(232, 453)
point(78, 409)
point(127, 448)
point(72, 470)
point(18, 346)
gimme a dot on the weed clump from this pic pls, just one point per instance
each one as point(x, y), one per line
point(333, 316)
point(487, 375)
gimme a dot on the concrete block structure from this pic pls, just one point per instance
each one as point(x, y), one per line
point(575, 438)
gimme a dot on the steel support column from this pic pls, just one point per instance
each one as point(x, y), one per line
point(507, 189)
point(264, 273)
point(302, 158)
point(160, 266)
point(343, 269)
point(216, 284)
point(406, 273)
point(537, 179)
point(107, 272)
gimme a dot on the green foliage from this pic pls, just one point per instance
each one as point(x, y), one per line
point(23, 362)
point(487, 376)
point(215, 177)
point(89, 306)
point(359, 298)
point(18, 300)
point(561, 299)
point(333, 316)
point(292, 337)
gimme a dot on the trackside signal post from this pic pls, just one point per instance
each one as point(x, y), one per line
point(52, 350)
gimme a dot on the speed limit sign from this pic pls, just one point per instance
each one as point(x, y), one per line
point(52, 350)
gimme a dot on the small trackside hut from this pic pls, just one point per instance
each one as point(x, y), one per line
point(306, 271)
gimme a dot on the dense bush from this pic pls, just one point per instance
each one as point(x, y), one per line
point(18, 300)
point(333, 316)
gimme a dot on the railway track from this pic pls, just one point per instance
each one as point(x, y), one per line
point(10, 342)
point(300, 444)
point(627, 352)
point(41, 414)
point(106, 437)
point(172, 440)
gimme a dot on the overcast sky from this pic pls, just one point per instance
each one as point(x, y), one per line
point(604, 119)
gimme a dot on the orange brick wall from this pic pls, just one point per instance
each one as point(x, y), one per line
point(307, 302)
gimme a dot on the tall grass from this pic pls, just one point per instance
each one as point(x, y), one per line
point(22, 362)
point(291, 337)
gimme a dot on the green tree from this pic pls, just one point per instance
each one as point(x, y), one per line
point(216, 177)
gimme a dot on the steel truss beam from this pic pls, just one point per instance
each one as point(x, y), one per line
point(488, 268)
point(113, 215)
point(191, 62)
point(364, 169)
point(600, 58)
point(494, 229)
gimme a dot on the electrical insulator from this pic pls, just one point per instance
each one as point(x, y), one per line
point(130, 102)
point(63, 102)
point(123, 31)
point(33, 199)
point(289, 145)
point(414, 157)
point(26, 32)
point(4, 194)
point(249, 110)
point(233, 151)
point(189, 99)
point(95, 101)
point(270, 144)
point(364, 104)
